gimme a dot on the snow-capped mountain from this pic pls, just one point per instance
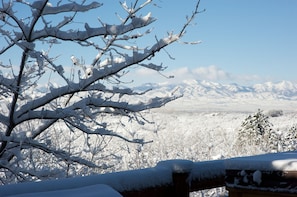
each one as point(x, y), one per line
point(284, 90)
point(213, 96)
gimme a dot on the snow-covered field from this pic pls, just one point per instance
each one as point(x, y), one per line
point(202, 125)
point(205, 126)
point(200, 134)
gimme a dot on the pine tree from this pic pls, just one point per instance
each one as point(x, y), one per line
point(255, 134)
point(289, 139)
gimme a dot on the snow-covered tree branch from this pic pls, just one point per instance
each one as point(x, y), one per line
point(40, 96)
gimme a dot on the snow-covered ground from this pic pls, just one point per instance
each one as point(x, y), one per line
point(203, 134)
point(203, 124)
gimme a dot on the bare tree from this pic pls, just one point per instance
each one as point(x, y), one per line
point(86, 94)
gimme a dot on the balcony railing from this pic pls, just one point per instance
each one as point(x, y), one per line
point(180, 177)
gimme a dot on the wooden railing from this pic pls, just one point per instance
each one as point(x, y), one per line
point(262, 175)
point(268, 175)
point(168, 178)
point(186, 177)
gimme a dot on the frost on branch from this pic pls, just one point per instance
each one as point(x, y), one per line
point(59, 111)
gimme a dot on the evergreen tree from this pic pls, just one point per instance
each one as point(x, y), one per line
point(289, 139)
point(255, 134)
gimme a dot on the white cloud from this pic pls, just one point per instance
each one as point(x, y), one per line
point(181, 74)
point(145, 72)
point(209, 73)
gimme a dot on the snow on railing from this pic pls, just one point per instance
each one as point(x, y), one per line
point(261, 174)
point(207, 175)
point(273, 174)
point(168, 178)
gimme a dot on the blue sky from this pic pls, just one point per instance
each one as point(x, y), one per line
point(247, 41)
point(243, 41)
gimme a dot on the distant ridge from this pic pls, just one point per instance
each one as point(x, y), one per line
point(284, 90)
point(206, 96)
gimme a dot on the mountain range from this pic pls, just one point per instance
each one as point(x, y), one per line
point(284, 90)
point(212, 96)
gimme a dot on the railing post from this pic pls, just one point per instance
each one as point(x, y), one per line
point(181, 184)
point(181, 170)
